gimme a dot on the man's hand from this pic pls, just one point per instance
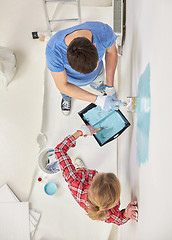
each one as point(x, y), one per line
point(87, 130)
point(109, 90)
point(109, 103)
point(132, 211)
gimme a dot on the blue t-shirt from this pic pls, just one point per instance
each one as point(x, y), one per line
point(56, 51)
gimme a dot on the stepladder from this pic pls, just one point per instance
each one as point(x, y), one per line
point(45, 35)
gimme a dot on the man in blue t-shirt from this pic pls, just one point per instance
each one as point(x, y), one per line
point(74, 57)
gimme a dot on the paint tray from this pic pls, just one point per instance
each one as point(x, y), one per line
point(113, 123)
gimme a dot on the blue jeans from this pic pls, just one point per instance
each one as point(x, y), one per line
point(97, 84)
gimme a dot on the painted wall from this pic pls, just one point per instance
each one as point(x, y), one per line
point(148, 40)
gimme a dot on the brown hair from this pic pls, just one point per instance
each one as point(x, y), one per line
point(82, 55)
point(103, 194)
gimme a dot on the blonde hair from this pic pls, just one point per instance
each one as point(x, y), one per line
point(103, 194)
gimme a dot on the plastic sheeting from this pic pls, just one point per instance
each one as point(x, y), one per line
point(7, 65)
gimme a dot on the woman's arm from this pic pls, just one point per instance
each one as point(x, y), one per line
point(77, 134)
point(68, 169)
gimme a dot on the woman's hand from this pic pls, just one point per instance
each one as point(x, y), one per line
point(131, 211)
point(87, 130)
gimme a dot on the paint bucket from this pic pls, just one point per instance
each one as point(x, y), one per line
point(43, 159)
point(50, 188)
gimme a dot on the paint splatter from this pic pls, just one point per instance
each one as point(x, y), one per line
point(142, 110)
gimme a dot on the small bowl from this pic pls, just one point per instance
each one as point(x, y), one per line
point(50, 188)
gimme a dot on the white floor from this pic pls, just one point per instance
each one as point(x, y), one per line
point(148, 39)
point(22, 118)
point(61, 211)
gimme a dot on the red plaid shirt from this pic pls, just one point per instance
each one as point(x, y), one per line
point(79, 181)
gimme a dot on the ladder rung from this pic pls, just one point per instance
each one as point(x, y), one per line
point(62, 20)
point(49, 1)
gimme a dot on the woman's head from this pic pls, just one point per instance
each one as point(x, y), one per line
point(82, 55)
point(103, 194)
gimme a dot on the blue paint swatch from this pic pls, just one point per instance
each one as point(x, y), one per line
point(143, 116)
point(111, 122)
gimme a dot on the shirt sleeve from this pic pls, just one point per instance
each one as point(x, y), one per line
point(116, 216)
point(109, 37)
point(68, 170)
point(54, 60)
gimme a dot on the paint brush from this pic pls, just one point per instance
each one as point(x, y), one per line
point(98, 129)
point(131, 104)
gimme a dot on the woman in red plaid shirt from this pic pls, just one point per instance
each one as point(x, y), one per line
point(97, 193)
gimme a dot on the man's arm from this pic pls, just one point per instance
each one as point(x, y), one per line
point(111, 59)
point(70, 89)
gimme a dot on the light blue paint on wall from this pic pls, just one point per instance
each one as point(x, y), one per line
point(143, 116)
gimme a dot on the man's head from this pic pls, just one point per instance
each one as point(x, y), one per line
point(103, 194)
point(82, 55)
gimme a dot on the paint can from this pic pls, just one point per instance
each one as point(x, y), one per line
point(43, 160)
